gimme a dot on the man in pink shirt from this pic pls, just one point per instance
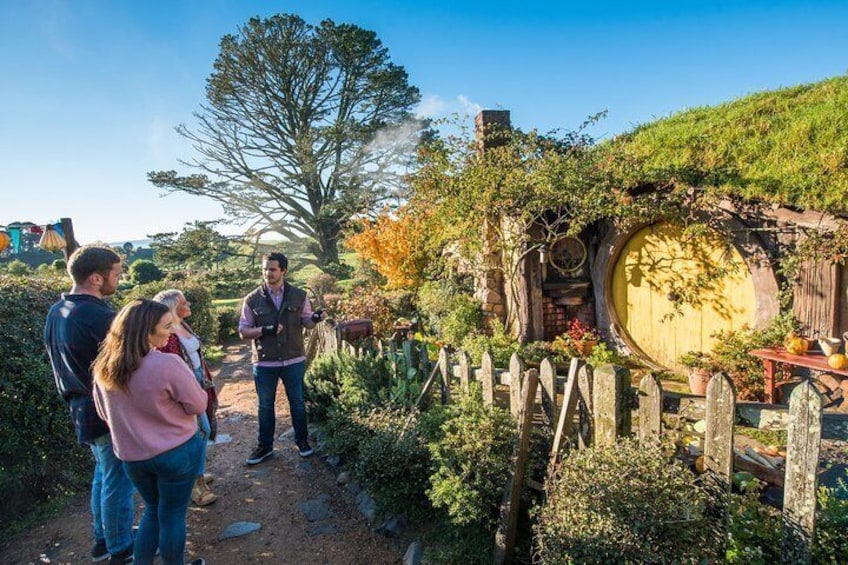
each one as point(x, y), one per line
point(273, 317)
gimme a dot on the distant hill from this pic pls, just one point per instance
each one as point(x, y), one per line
point(136, 243)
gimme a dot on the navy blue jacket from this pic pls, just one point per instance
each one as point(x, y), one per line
point(75, 326)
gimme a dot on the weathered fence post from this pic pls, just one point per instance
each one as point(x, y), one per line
point(650, 410)
point(412, 355)
point(569, 405)
point(464, 370)
point(487, 378)
point(444, 368)
point(506, 534)
point(718, 453)
point(611, 403)
point(585, 405)
point(516, 373)
point(548, 380)
point(802, 457)
point(423, 358)
point(393, 359)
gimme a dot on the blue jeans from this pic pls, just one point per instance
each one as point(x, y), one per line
point(111, 497)
point(265, 379)
point(164, 482)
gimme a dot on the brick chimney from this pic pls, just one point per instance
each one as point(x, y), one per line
point(491, 128)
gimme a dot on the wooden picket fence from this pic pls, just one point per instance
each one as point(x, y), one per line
point(599, 402)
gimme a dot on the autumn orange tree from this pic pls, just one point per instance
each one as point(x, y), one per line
point(397, 244)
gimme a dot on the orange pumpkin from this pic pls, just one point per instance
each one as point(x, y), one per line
point(795, 345)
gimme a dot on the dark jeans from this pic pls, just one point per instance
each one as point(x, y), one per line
point(265, 379)
point(164, 482)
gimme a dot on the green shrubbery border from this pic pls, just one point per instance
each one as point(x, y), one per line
point(40, 459)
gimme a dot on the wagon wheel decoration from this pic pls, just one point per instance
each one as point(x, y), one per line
point(568, 255)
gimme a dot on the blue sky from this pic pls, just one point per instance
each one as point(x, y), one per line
point(91, 89)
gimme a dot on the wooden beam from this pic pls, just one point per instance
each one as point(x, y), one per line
point(506, 534)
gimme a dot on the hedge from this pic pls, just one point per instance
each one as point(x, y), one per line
point(39, 455)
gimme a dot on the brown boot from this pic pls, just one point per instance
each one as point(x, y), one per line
point(200, 493)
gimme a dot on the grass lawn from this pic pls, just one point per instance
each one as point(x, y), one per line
point(224, 302)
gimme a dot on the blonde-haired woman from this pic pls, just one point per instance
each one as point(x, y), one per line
point(151, 401)
point(185, 343)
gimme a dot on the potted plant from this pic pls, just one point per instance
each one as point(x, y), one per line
point(578, 340)
point(701, 367)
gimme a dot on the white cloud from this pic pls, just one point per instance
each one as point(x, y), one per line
point(434, 106)
point(469, 108)
point(430, 107)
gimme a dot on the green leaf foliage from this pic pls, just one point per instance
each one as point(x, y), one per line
point(39, 454)
point(393, 463)
point(203, 319)
point(622, 504)
point(144, 271)
point(471, 460)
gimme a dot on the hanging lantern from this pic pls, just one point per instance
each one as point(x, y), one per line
point(5, 239)
point(51, 240)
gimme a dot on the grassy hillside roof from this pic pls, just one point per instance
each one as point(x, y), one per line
point(788, 146)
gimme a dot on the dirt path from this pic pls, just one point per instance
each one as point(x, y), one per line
point(270, 493)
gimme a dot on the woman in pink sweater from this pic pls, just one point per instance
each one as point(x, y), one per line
point(151, 401)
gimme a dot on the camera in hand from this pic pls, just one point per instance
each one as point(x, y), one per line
point(269, 330)
point(316, 315)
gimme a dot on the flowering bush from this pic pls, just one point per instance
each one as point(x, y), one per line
point(577, 341)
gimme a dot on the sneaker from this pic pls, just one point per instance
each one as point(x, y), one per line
point(122, 557)
point(99, 552)
point(259, 455)
point(198, 561)
point(304, 448)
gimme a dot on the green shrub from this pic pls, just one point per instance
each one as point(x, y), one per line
point(535, 351)
point(394, 463)
point(500, 344)
point(344, 431)
point(831, 540)
point(731, 353)
point(622, 504)
point(321, 387)
point(144, 271)
point(203, 319)
point(18, 268)
point(363, 382)
point(39, 455)
point(448, 310)
point(228, 320)
point(603, 355)
point(471, 459)
point(229, 282)
point(755, 529)
point(465, 318)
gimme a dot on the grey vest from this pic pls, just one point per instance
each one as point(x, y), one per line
point(289, 343)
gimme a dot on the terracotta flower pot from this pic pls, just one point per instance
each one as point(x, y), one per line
point(698, 380)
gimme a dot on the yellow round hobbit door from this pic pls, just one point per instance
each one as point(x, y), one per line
point(672, 291)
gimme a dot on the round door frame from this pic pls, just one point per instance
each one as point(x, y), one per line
point(744, 240)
